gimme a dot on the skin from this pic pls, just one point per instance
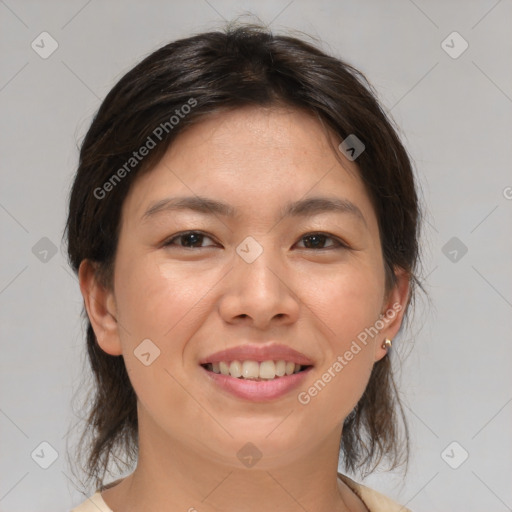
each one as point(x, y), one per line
point(192, 302)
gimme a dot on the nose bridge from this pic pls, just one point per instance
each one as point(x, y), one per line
point(257, 267)
point(258, 285)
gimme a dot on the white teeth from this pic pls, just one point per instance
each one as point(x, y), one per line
point(280, 368)
point(250, 370)
point(253, 370)
point(268, 370)
point(224, 368)
point(235, 369)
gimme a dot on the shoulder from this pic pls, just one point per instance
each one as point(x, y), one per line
point(93, 504)
point(374, 501)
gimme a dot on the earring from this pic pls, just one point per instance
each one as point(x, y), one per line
point(386, 344)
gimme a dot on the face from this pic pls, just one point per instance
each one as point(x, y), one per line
point(251, 273)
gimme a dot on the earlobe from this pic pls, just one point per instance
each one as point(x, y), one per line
point(393, 312)
point(101, 308)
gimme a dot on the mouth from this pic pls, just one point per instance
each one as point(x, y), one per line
point(256, 371)
point(256, 381)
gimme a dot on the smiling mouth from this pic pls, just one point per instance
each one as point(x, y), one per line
point(256, 371)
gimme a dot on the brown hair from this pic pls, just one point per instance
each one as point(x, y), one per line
point(214, 72)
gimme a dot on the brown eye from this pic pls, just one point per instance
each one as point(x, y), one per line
point(318, 241)
point(191, 239)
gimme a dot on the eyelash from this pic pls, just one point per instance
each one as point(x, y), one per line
point(340, 243)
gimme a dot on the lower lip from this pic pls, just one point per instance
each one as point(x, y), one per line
point(258, 391)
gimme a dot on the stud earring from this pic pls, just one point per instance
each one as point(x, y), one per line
point(386, 344)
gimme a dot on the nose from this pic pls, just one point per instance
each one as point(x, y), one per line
point(259, 294)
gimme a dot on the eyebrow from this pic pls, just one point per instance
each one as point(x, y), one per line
point(302, 208)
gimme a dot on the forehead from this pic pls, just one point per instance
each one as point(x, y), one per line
point(252, 158)
point(268, 131)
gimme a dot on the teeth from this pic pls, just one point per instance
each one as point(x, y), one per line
point(290, 368)
point(281, 368)
point(235, 369)
point(266, 370)
point(250, 369)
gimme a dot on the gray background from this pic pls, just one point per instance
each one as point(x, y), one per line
point(455, 114)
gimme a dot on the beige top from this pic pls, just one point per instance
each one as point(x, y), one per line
point(373, 500)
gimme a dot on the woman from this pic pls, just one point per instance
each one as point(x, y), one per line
point(244, 224)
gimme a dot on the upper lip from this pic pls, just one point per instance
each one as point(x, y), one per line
point(258, 353)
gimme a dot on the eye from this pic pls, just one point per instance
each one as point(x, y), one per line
point(195, 239)
point(317, 241)
point(189, 239)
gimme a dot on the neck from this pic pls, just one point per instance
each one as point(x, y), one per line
point(171, 475)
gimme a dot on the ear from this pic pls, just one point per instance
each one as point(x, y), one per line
point(101, 308)
point(393, 310)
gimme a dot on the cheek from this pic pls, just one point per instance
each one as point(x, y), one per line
point(347, 299)
point(162, 303)
point(153, 299)
point(347, 303)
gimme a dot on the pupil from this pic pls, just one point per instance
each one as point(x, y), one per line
point(317, 240)
point(191, 239)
